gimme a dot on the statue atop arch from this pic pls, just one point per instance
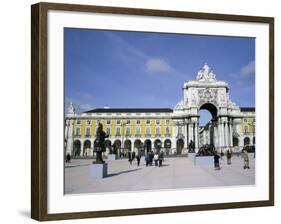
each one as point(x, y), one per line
point(206, 74)
point(71, 109)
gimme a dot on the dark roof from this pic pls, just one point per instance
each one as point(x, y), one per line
point(248, 109)
point(130, 110)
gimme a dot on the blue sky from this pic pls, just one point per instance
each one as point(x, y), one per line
point(138, 69)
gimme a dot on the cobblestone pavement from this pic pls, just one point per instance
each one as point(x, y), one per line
point(176, 173)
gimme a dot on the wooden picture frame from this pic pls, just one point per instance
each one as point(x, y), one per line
point(39, 109)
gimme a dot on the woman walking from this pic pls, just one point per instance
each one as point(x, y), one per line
point(245, 156)
point(228, 156)
point(217, 161)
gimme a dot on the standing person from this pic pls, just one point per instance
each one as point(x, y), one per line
point(147, 159)
point(245, 156)
point(151, 155)
point(217, 161)
point(130, 157)
point(156, 158)
point(190, 146)
point(228, 156)
point(68, 158)
point(161, 158)
point(133, 156)
point(138, 157)
point(222, 154)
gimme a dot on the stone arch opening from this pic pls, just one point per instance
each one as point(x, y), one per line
point(157, 145)
point(246, 141)
point(117, 147)
point(86, 147)
point(77, 147)
point(235, 141)
point(108, 146)
point(167, 146)
point(137, 146)
point(208, 113)
point(127, 147)
point(147, 145)
point(180, 145)
point(211, 108)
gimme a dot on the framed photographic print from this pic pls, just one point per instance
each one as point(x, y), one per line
point(139, 111)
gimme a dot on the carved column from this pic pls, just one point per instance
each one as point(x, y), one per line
point(220, 125)
point(224, 134)
point(225, 130)
point(196, 136)
point(187, 134)
point(231, 132)
point(190, 131)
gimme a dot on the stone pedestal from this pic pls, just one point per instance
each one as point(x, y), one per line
point(111, 157)
point(98, 170)
point(204, 160)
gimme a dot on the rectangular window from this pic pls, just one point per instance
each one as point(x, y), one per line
point(78, 122)
point(78, 131)
point(128, 131)
point(128, 122)
point(118, 122)
point(88, 131)
point(147, 121)
point(157, 122)
point(167, 122)
point(167, 130)
point(147, 130)
point(98, 121)
point(245, 120)
point(157, 130)
point(88, 122)
point(108, 131)
point(138, 130)
point(118, 131)
point(108, 122)
point(138, 122)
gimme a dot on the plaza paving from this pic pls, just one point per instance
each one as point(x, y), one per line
point(178, 172)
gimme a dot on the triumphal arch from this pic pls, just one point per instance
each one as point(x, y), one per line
point(206, 92)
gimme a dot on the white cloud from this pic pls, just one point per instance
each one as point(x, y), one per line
point(85, 106)
point(248, 70)
point(157, 65)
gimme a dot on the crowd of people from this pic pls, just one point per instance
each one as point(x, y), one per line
point(149, 158)
point(229, 154)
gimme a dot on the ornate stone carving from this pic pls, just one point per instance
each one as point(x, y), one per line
point(193, 98)
point(179, 106)
point(207, 96)
point(206, 74)
point(222, 98)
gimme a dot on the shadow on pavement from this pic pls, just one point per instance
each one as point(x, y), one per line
point(125, 171)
